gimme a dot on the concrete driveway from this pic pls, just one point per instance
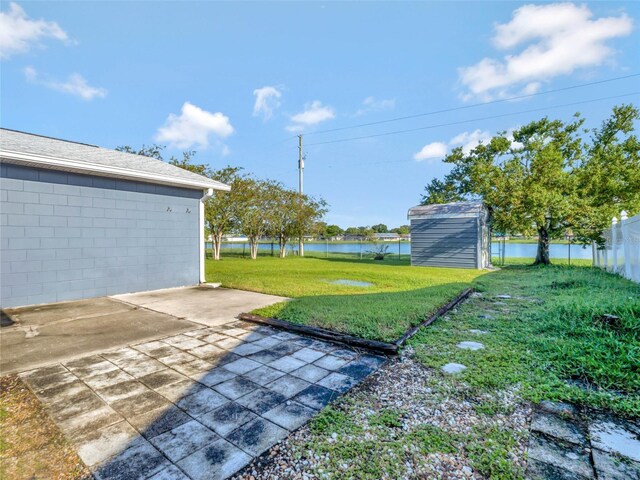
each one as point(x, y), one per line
point(62, 331)
point(204, 305)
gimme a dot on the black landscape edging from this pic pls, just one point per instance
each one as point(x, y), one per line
point(382, 347)
point(350, 340)
point(443, 310)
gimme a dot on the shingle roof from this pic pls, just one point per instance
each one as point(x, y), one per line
point(46, 152)
point(452, 209)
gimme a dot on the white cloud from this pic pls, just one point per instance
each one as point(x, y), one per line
point(18, 33)
point(514, 145)
point(437, 150)
point(431, 151)
point(313, 114)
point(193, 127)
point(555, 39)
point(470, 140)
point(74, 85)
point(371, 104)
point(267, 100)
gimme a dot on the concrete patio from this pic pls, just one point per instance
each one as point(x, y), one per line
point(200, 404)
point(43, 334)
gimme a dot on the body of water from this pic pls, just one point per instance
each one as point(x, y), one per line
point(519, 250)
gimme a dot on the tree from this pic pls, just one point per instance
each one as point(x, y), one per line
point(185, 163)
point(319, 229)
point(291, 215)
point(402, 230)
point(609, 180)
point(526, 181)
point(155, 151)
point(439, 191)
point(333, 231)
point(223, 211)
point(380, 228)
point(259, 199)
point(547, 179)
point(311, 210)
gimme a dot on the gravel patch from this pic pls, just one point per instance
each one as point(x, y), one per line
point(423, 397)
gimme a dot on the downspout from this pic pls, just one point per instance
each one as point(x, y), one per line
point(207, 194)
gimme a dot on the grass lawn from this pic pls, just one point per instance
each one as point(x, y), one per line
point(550, 339)
point(401, 296)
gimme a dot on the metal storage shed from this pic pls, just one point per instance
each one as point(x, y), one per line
point(80, 221)
point(450, 235)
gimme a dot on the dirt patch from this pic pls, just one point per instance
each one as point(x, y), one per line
point(31, 446)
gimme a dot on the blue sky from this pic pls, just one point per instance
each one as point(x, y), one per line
point(238, 81)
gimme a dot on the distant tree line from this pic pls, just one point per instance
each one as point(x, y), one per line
point(254, 207)
point(331, 231)
point(550, 178)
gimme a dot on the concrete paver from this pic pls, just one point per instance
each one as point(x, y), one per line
point(611, 467)
point(257, 436)
point(263, 375)
point(288, 386)
point(338, 382)
point(290, 415)
point(183, 440)
point(331, 362)
point(565, 461)
point(559, 446)
point(185, 407)
point(227, 418)
point(613, 436)
point(221, 459)
point(556, 426)
point(310, 373)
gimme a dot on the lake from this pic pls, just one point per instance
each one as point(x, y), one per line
point(521, 250)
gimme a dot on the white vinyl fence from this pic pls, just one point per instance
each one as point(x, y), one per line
point(621, 253)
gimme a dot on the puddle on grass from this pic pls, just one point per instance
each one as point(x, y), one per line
point(351, 283)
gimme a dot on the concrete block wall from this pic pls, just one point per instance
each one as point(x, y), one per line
point(65, 236)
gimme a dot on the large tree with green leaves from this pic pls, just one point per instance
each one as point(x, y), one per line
point(292, 215)
point(546, 179)
point(223, 211)
point(258, 199)
point(609, 180)
point(333, 231)
point(380, 228)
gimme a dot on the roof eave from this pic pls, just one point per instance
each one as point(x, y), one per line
point(45, 161)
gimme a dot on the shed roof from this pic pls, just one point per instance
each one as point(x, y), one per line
point(455, 209)
point(46, 152)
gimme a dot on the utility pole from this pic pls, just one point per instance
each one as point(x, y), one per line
point(300, 172)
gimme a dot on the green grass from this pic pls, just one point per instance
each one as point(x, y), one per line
point(490, 453)
point(549, 339)
point(338, 439)
point(401, 296)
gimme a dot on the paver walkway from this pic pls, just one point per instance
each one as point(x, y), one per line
point(566, 444)
point(198, 405)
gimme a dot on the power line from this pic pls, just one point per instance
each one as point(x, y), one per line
point(474, 105)
point(428, 127)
